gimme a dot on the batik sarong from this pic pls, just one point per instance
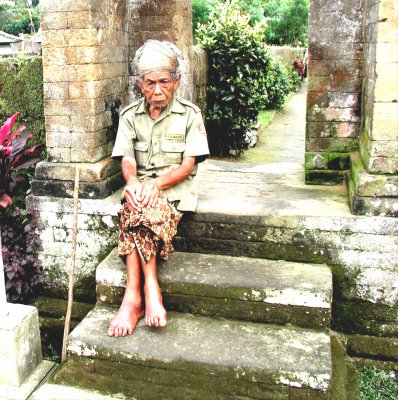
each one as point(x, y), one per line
point(150, 229)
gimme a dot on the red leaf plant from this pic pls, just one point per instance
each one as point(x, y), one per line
point(14, 156)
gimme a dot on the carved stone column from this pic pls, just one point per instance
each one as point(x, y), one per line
point(374, 174)
point(85, 74)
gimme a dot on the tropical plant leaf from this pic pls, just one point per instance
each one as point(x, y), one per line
point(27, 164)
point(15, 134)
point(14, 156)
point(5, 200)
point(7, 127)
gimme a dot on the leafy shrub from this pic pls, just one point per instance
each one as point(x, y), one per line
point(21, 88)
point(238, 61)
point(243, 78)
point(14, 156)
point(19, 239)
point(278, 85)
point(20, 243)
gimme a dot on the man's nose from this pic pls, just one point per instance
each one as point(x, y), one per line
point(158, 89)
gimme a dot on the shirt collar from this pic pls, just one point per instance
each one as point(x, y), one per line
point(174, 107)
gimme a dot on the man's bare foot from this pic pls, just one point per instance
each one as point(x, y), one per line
point(125, 320)
point(155, 313)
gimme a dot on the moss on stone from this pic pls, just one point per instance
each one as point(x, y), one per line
point(319, 177)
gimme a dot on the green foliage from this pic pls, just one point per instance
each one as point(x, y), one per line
point(16, 17)
point(254, 8)
point(243, 78)
point(237, 64)
point(278, 85)
point(21, 88)
point(287, 22)
point(201, 10)
point(377, 385)
point(20, 244)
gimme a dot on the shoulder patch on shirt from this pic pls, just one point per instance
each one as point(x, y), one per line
point(189, 104)
point(130, 106)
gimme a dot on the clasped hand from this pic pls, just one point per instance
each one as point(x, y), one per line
point(141, 194)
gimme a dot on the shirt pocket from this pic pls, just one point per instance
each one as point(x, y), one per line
point(141, 153)
point(172, 151)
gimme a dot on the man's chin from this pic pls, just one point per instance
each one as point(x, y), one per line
point(159, 106)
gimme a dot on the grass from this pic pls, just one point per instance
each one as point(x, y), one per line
point(256, 154)
point(377, 385)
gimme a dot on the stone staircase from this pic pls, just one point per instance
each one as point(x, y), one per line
point(238, 328)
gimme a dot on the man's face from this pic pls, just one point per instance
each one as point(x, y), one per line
point(158, 88)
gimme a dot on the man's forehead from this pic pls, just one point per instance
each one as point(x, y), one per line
point(157, 75)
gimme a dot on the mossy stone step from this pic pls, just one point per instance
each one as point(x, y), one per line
point(195, 356)
point(258, 290)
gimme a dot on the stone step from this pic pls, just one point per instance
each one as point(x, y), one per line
point(198, 357)
point(257, 290)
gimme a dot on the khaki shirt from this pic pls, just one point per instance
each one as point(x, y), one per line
point(179, 132)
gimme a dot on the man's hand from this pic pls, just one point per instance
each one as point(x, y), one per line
point(132, 194)
point(149, 193)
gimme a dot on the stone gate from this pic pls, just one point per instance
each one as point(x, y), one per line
point(352, 113)
point(352, 118)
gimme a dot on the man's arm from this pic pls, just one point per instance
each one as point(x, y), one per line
point(133, 189)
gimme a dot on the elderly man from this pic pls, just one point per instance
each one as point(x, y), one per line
point(160, 140)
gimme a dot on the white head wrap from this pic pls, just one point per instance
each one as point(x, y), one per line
point(155, 55)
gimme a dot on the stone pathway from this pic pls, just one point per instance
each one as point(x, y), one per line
point(283, 140)
point(276, 185)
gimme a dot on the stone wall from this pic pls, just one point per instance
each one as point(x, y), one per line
point(334, 88)
point(287, 54)
point(373, 179)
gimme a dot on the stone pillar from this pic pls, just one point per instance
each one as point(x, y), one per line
point(169, 20)
point(374, 174)
point(85, 74)
point(334, 88)
point(21, 366)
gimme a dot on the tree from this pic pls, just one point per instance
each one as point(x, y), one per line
point(286, 19)
point(287, 22)
point(200, 11)
point(19, 17)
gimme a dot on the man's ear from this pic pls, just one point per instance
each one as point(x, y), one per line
point(139, 82)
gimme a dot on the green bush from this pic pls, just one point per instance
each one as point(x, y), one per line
point(278, 85)
point(21, 88)
point(243, 78)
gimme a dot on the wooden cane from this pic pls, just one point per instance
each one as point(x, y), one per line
point(72, 265)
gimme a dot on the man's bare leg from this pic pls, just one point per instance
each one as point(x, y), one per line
point(155, 313)
point(130, 311)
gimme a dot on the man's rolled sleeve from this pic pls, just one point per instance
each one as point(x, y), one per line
point(196, 139)
point(124, 139)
